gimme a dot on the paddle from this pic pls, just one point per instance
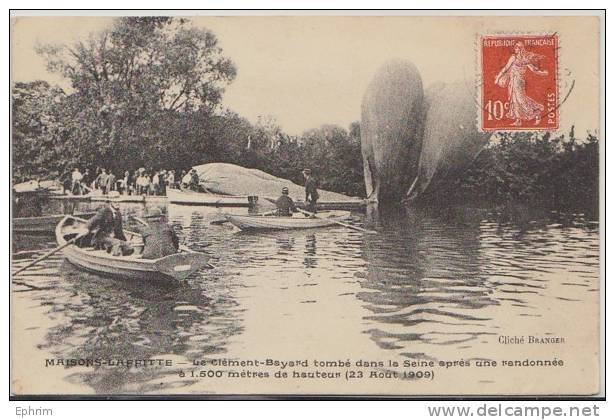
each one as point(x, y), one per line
point(346, 225)
point(49, 254)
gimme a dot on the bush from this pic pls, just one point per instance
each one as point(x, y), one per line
point(554, 172)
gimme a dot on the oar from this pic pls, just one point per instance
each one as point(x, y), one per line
point(336, 222)
point(218, 222)
point(49, 254)
point(138, 219)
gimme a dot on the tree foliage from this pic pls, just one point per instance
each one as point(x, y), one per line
point(555, 172)
point(38, 129)
point(137, 86)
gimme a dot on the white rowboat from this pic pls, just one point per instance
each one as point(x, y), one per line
point(172, 267)
point(297, 221)
point(191, 197)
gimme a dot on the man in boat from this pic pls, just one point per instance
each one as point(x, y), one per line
point(159, 239)
point(105, 228)
point(311, 190)
point(285, 205)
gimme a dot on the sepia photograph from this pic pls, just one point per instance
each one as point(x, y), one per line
point(281, 204)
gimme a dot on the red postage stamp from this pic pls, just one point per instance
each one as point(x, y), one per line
point(519, 89)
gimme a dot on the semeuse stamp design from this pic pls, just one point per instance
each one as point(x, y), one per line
point(519, 89)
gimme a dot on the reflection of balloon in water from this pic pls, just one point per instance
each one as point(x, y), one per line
point(390, 116)
point(451, 140)
point(423, 283)
point(410, 142)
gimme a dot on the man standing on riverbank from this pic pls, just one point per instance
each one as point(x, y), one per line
point(77, 177)
point(311, 190)
point(110, 182)
point(194, 180)
point(87, 179)
point(101, 181)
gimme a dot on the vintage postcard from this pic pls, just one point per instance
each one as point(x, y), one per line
point(377, 206)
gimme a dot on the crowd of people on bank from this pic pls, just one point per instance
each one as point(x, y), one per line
point(138, 182)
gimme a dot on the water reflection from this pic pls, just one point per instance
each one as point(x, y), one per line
point(425, 280)
point(107, 318)
point(310, 252)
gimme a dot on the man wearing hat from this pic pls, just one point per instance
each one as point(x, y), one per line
point(106, 228)
point(285, 205)
point(159, 239)
point(194, 180)
point(311, 190)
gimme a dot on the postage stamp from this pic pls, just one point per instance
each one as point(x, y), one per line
point(519, 89)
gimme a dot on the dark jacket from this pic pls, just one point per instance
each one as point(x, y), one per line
point(106, 224)
point(285, 206)
point(311, 192)
point(101, 180)
point(194, 182)
point(160, 240)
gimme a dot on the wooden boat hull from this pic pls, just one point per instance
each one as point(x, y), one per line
point(298, 221)
point(68, 197)
point(121, 198)
point(335, 205)
point(172, 267)
point(195, 198)
point(42, 224)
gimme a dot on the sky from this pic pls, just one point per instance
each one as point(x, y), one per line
point(309, 71)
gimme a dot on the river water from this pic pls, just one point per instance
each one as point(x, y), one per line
point(428, 286)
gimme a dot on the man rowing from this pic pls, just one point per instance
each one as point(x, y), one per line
point(285, 205)
point(105, 231)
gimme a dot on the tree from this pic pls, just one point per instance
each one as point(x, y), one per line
point(143, 74)
point(335, 157)
point(37, 136)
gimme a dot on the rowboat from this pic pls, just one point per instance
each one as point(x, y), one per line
point(121, 198)
point(297, 221)
point(172, 267)
point(68, 197)
point(34, 186)
point(190, 197)
point(42, 224)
